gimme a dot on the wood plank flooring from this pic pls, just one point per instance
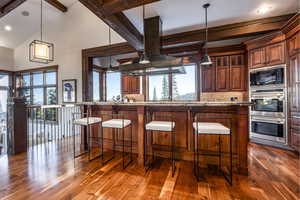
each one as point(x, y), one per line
point(49, 173)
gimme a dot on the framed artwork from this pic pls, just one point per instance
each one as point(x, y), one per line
point(69, 91)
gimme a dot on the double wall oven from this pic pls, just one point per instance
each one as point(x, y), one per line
point(268, 121)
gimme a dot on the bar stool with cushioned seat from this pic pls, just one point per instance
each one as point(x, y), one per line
point(161, 126)
point(118, 124)
point(85, 120)
point(212, 128)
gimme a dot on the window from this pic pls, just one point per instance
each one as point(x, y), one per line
point(113, 85)
point(96, 86)
point(158, 87)
point(183, 86)
point(38, 87)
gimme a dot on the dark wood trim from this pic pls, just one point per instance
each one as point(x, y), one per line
point(118, 22)
point(230, 31)
point(54, 67)
point(10, 6)
point(58, 5)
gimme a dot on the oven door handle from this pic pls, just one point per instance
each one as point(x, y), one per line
point(268, 121)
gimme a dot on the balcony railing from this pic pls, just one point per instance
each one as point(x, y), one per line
point(50, 123)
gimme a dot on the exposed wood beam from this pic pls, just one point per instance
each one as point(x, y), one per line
point(58, 5)
point(118, 22)
point(116, 6)
point(230, 31)
point(5, 9)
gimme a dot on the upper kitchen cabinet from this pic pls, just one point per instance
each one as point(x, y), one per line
point(222, 74)
point(208, 78)
point(293, 44)
point(267, 50)
point(130, 85)
point(237, 73)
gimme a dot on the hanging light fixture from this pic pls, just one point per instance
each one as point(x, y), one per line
point(39, 50)
point(144, 58)
point(206, 59)
point(109, 69)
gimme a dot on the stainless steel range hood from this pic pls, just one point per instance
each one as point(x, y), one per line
point(159, 64)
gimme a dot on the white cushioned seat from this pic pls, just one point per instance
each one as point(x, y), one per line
point(116, 123)
point(211, 128)
point(160, 126)
point(87, 121)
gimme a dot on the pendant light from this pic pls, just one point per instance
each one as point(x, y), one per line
point(144, 59)
point(109, 42)
point(206, 59)
point(39, 50)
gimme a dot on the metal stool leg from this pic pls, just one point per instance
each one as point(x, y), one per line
point(219, 145)
point(131, 142)
point(123, 148)
point(173, 152)
point(230, 158)
point(101, 137)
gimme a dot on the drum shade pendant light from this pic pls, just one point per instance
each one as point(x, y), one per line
point(39, 50)
point(109, 43)
point(206, 59)
point(144, 59)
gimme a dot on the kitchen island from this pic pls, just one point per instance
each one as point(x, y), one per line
point(236, 114)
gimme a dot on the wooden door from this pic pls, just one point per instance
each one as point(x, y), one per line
point(275, 54)
point(237, 73)
point(294, 83)
point(257, 58)
point(222, 74)
point(208, 78)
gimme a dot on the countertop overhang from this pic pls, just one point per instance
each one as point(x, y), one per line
point(168, 103)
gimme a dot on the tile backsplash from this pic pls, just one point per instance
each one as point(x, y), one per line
point(224, 96)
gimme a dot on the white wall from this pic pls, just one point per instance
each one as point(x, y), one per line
point(78, 29)
point(6, 59)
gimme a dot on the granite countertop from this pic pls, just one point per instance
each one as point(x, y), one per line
point(170, 103)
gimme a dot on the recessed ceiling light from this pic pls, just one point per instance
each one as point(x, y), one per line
point(264, 9)
point(25, 13)
point(7, 28)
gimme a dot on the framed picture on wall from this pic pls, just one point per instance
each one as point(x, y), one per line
point(69, 91)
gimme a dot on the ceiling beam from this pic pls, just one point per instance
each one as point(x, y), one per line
point(230, 31)
point(58, 5)
point(116, 6)
point(118, 22)
point(5, 9)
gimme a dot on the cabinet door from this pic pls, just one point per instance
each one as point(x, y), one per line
point(293, 44)
point(130, 85)
point(257, 58)
point(295, 132)
point(208, 78)
point(237, 73)
point(294, 83)
point(275, 54)
point(222, 73)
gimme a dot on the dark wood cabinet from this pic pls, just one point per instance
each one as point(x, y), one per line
point(275, 54)
point(222, 74)
point(294, 83)
point(208, 78)
point(237, 73)
point(130, 85)
point(293, 44)
point(257, 58)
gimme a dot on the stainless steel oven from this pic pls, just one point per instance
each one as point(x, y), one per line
point(269, 129)
point(269, 104)
point(267, 76)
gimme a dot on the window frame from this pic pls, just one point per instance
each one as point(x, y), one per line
point(170, 80)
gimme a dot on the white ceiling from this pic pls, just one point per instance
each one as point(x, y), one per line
point(24, 27)
point(186, 15)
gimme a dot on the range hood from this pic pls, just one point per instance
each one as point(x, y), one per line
point(159, 64)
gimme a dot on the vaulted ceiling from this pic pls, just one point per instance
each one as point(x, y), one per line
point(183, 21)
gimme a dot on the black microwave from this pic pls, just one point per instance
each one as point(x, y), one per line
point(267, 77)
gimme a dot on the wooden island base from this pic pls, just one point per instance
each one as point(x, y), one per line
point(184, 115)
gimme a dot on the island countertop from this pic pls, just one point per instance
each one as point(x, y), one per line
point(170, 103)
point(183, 113)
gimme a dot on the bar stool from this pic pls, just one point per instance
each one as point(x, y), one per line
point(118, 124)
point(85, 121)
point(161, 126)
point(217, 129)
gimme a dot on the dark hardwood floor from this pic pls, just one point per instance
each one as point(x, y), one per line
point(48, 173)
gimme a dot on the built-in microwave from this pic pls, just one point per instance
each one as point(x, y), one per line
point(265, 77)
